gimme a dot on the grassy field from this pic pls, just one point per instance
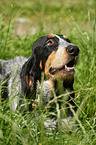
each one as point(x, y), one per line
point(21, 23)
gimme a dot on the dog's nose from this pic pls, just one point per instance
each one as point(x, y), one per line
point(72, 50)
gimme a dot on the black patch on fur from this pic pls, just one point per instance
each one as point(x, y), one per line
point(4, 87)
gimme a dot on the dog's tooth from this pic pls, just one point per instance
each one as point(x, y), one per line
point(66, 67)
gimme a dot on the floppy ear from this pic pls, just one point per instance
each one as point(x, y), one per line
point(30, 73)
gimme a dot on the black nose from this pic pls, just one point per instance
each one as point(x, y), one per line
point(72, 50)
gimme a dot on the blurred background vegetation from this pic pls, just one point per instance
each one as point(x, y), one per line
point(39, 17)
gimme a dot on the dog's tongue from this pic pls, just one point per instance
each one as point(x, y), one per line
point(64, 68)
point(53, 70)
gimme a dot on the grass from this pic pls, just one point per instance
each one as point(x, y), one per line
point(75, 19)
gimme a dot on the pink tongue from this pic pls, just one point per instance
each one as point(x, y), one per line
point(53, 70)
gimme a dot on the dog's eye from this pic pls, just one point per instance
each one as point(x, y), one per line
point(50, 42)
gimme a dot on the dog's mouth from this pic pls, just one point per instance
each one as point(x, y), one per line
point(68, 68)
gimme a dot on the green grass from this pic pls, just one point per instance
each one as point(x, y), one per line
point(77, 20)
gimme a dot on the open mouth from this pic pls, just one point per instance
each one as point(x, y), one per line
point(68, 68)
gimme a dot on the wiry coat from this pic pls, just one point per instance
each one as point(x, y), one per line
point(10, 79)
point(52, 55)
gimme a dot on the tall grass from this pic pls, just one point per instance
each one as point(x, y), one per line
point(28, 128)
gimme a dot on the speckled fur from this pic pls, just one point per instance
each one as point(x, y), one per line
point(10, 70)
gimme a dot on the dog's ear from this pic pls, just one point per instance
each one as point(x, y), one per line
point(30, 73)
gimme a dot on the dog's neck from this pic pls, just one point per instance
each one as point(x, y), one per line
point(49, 88)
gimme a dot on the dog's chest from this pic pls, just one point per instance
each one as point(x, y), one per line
point(47, 89)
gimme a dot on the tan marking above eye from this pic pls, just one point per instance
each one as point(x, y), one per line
point(51, 36)
point(64, 36)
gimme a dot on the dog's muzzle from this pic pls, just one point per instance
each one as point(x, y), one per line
point(73, 52)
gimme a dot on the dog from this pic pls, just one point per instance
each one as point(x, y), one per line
point(53, 57)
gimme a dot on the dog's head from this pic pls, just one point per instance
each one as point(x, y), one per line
point(63, 58)
point(52, 54)
point(56, 54)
